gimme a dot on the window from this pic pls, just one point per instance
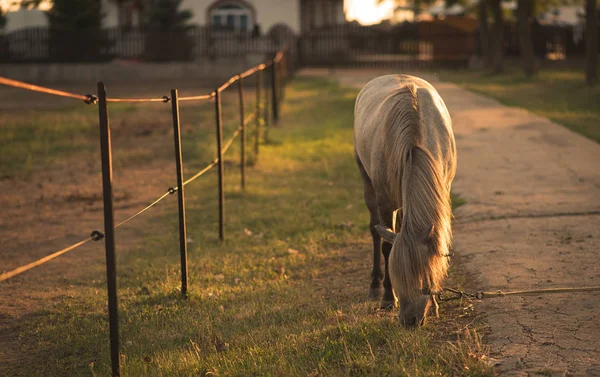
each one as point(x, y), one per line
point(233, 16)
point(231, 22)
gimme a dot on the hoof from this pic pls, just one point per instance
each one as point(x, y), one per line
point(375, 293)
point(387, 304)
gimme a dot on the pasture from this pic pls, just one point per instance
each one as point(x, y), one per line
point(284, 295)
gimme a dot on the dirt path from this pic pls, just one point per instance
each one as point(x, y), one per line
point(532, 220)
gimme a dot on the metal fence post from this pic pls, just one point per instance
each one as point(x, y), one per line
point(259, 79)
point(274, 101)
point(180, 191)
point(219, 122)
point(243, 134)
point(109, 234)
point(282, 76)
point(266, 113)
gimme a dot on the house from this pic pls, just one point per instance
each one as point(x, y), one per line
point(298, 16)
point(25, 18)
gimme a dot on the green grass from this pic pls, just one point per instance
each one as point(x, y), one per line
point(284, 295)
point(34, 140)
point(558, 94)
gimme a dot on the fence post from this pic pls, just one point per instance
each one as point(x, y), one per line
point(243, 134)
point(282, 76)
point(180, 191)
point(109, 234)
point(219, 122)
point(274, 100)
point(266, 114)
point(259, 79)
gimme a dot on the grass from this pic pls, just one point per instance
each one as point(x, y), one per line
point(284, 295)
point(559, 94)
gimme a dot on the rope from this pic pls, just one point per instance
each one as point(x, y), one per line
point(251, 71)
point(229, 83)
point(215, 161)
point(162, 99)
point(195, 98)
point(20, 270)
point(41, 89)
point(249, 118)
point(89, 99)
point(278, 57)
point(96, 235)
point(228, 144)
point(171, 191)
point(459, 295)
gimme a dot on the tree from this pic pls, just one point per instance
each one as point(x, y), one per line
point(168, 32)
point(4, 47)
point(484, 33)
point(591, 46)
point(524, 12)
point(30, 3)
point(75, 31)
point(497, 36)
point(76, 14)
point(2, 19)
point(165, 15)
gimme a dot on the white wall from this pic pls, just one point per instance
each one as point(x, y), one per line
point(111, 18)
point(271, 12)
point(25, 19)
point(268, 12)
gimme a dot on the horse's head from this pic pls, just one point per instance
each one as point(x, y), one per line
point(411, 268)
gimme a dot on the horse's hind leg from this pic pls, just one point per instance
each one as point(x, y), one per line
point(371, 202)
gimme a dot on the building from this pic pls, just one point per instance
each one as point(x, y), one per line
point(298, 16)
point(24, 19)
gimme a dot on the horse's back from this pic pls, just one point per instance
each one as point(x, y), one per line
point(379, 98)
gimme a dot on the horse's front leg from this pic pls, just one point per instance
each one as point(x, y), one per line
point(388, 301)
point(376, 273)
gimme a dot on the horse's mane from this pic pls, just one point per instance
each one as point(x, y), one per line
point(416, 180)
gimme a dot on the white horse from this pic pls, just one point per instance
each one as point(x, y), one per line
point(405, 149)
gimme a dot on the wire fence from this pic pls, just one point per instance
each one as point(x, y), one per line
point(268, 93)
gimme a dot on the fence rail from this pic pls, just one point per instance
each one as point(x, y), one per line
point(279, 67)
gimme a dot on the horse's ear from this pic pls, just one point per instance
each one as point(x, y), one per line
point(385, 233)
point(427, 234)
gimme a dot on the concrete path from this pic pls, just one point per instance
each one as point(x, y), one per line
point(532, 220)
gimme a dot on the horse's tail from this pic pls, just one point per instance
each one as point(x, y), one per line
point(417, 260)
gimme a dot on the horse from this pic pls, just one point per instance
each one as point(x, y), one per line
point(405, 150)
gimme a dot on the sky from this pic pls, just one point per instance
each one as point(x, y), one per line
point(367, 12)
point(8, 5)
